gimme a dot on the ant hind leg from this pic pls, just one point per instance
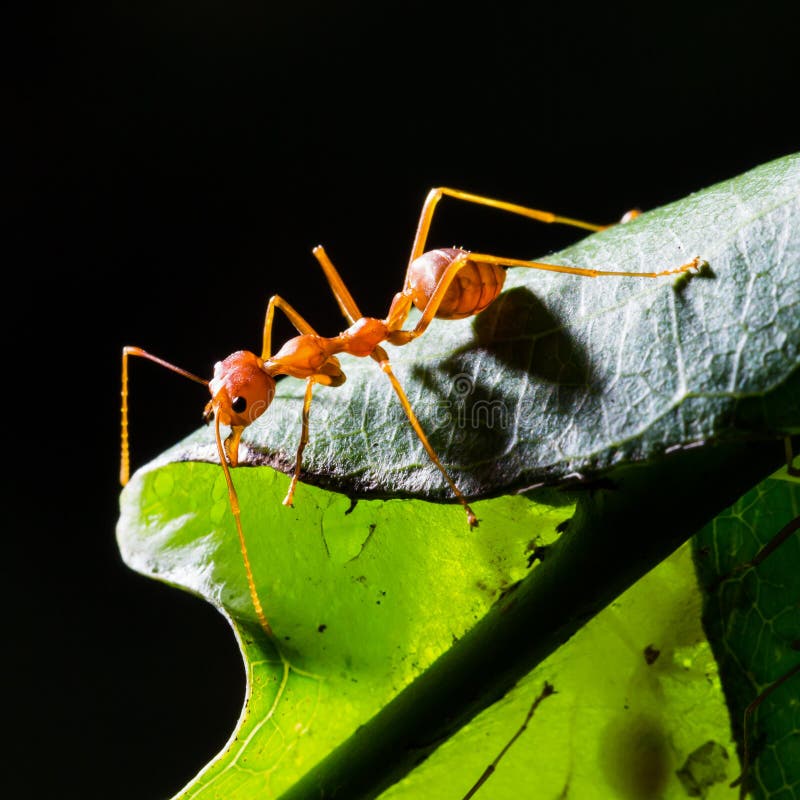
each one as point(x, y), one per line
point(695, 265)
point(435, 195)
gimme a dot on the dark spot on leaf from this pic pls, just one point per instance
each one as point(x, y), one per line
point(651, 654)
point(563, 525)
point(704, 767)
point(564, 792)
point(322, 628)
point(636, 756)
point(538, 553)
point(508, 590)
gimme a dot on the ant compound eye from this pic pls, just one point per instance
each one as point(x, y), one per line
point(239, 404)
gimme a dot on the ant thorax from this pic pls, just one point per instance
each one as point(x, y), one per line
point(363, 336)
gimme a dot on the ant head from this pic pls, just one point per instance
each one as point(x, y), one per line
point(240, 390)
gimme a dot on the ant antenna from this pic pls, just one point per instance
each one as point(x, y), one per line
point(234, 501)
point(124, 470)
point(125, 456)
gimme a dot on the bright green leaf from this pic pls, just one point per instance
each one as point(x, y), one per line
point(363, 601)
point(623, 724)
point(623, 721)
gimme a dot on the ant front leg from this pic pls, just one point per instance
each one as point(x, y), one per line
point(287, 501)
point(276, 301)
point(330, 374)
point(334, 379)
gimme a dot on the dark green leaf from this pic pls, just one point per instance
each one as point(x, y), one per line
point(752, 616)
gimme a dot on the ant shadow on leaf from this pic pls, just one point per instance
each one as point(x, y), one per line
point(520, 333)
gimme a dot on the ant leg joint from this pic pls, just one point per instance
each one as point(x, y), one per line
point(436, 192)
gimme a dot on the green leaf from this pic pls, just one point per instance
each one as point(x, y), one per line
point(395, 623)
point(623, 720)
point(363, 601)
point(752, 616)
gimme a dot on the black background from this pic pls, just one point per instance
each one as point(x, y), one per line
point(172, 165)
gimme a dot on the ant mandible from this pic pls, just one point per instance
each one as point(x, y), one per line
point(448, 283)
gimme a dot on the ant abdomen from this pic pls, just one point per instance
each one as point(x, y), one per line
point(474, 287)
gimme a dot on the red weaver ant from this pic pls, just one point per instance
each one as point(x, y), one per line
point(448, 283)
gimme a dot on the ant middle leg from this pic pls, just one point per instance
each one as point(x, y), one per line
point(287, 501)
point(347, 305)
